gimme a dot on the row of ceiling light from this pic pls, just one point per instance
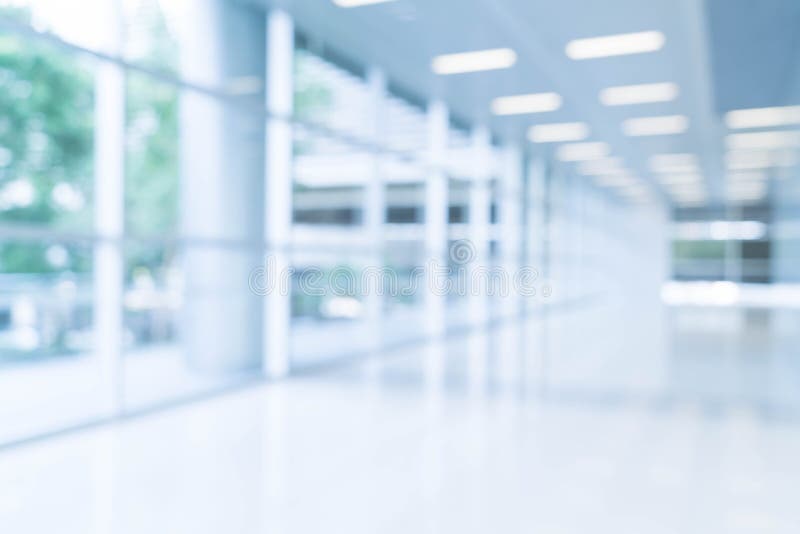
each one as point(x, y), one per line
point(748, 158)
point(593, 157)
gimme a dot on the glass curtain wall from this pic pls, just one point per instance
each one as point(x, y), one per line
point(130, 207)
point(146, 168)
point(332, 242)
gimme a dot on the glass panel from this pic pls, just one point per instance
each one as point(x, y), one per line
point(331, 316)
point(404, 301)
point(405, 255)
point(46, 135)
point(50, 375)
point(191, 323)
point(152, 137)
point(406, 127)
point(83, 27)
point(329, 95)
point(329, 179)
point(193, 196)
point(152, 33)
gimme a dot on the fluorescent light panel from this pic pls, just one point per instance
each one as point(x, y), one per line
point(583, 151)
point(519, 104)
point(666, 125)
point(480, 60)
point(601, 166)
point(671, 162)
point(762, 140)
point(762, 117)
point(675, 169)
point(748, 160)
point(639, 94)
point(758, 159)
point(747, 188)
point(746, 176)
point(558, 133)
point(615, 45)
point(746, 191)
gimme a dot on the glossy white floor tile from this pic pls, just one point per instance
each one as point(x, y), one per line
point(492, 432)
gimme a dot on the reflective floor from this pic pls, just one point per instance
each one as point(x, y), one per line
point(686, 421)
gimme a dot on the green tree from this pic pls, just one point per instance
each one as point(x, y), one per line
point(46, 114)
point(152, 143)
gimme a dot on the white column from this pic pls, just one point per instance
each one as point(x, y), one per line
point(436, 215)
point(511, 203)
point(374, 207)
point(785, 230)
point(510, 222)
point(479, 224)
point(535, 232)
point(109, 176)
point(478, 275)
point(733, 267)
point(278, 190)
point(221, 162)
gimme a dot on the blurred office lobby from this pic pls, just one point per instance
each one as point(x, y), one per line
point(399, 266)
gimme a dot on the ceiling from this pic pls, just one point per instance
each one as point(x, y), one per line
point(724, 54)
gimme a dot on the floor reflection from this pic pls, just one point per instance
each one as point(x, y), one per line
point(681, 421)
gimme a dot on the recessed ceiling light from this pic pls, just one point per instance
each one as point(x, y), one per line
point(673, 159)
point(676, 169)
point(763, 140)
point(746, 176)
point(747, 186)
point(667, 125)
point(533, 103)
point(558, 133)
point(601, 166)
point(359, 3)
point(639, 94)
point(615, 45)
point(496, 58)
point(763, 117)
point(747, 190)
point(750, 159)
point(759, 159)
point(673, 163)
point(583, 151)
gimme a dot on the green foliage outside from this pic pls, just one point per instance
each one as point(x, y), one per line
point(46, 119)
point(47, 141)
point(698, 250)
